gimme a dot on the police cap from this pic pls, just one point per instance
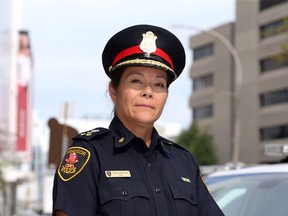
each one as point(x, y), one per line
point(144, 45)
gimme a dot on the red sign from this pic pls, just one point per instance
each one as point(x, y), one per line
point(22, 118)
point(24, 73)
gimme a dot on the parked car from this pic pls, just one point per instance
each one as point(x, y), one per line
point(254, 191)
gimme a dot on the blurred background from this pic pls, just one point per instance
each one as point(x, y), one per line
point(233, 90)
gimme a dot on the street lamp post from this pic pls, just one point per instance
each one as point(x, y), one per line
point(238, 83)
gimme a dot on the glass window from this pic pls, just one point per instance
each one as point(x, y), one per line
point(202, 112)
point(264, 4)
point(275, 132)
point(203, 51)
point(275, 97)
point(203, 82)
point(272, 63)
point(274, 28)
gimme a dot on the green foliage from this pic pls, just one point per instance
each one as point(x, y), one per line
point(199, 144)
point(282, 58)
point(1, 177)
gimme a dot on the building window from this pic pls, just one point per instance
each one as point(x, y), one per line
point(272, 63)
point(275, 97)
point(202, 82)
point(202, 112)
point(275, 132)
point(203, 51)
point(274, 28)
point(264, 4)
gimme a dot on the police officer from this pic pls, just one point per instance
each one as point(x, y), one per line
point(129, 169)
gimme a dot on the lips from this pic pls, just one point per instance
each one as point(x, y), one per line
point(145, 106)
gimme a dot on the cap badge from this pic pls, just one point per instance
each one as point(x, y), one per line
point(148, 43)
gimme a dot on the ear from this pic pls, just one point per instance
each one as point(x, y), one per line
point(112, 93)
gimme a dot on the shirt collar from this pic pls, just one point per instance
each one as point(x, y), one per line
point(123, 136)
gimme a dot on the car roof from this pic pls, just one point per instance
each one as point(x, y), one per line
point(258, 169)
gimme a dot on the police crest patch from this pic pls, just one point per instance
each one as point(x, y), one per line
point(73, 163)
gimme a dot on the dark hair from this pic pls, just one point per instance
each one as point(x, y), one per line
point(116, 77)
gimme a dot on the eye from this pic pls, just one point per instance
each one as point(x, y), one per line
point(136, 81)
point(161, 85)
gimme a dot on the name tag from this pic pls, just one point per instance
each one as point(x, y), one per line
point(118, 174)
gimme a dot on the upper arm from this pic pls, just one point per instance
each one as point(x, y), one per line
point(75, 182)
point(60, 213)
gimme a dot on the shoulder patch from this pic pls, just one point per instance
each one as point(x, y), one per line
point(88, 135)
point(73, 162)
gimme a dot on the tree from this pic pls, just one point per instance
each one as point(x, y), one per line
point(2, 182)
point(199, 144)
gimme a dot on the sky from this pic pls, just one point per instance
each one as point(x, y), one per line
point(68, 37)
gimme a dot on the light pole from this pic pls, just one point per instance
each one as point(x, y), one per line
point(238, 83)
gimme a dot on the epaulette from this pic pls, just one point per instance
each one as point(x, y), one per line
point(171, 143)
point(166, 141)
point(89, 135)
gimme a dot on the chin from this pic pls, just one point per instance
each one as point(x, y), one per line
point(146, 119)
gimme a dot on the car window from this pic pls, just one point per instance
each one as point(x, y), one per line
point(261, 194)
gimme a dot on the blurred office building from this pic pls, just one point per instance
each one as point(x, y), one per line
point(241, 91)
point(15, 105)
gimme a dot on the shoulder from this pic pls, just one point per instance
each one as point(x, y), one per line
point(167, 142)
point(91, 134)
point(176, 148)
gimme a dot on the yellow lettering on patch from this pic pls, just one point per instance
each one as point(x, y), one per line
point(68, 169)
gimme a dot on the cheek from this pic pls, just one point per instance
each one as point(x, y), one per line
point(126, 97)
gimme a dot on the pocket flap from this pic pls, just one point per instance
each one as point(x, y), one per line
point(183, 190)
point(121, 189)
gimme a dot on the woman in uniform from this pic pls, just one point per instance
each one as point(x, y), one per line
point(128, 169)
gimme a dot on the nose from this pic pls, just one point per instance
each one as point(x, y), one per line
point(147, 92)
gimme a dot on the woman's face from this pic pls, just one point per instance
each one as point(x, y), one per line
point(24, 42)
point(141, 95)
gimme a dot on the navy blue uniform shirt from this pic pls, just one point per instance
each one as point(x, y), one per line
point(112, 172)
